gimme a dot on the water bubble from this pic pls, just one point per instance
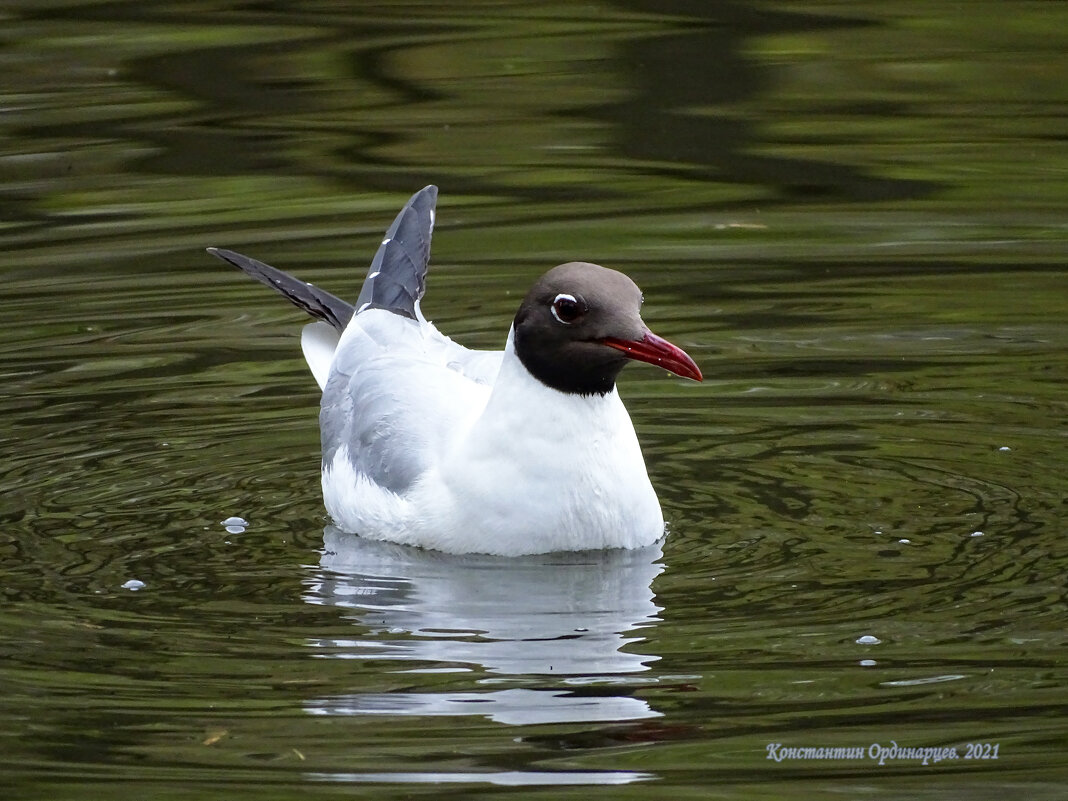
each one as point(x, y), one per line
point(977, 534)
point(868, 639)
point(1004, 448)
point(234, 525)
point(868, 663)
point(133, 585)
point(905, 541)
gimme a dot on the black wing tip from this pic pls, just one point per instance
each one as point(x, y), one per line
point(396, 278)
point(248, 265)
point(229, 256)
point(425, 198)
point(318, 303)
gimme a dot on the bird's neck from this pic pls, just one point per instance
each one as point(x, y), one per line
point(528, 404)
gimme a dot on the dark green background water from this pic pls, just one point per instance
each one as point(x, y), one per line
point(853, 215)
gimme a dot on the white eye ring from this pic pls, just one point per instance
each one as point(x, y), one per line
point(565, 301)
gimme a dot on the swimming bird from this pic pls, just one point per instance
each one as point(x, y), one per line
point(521, 451)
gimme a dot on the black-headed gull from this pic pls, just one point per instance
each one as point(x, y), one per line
point(521, 451)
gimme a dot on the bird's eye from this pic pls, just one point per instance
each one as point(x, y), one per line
point(566, 308)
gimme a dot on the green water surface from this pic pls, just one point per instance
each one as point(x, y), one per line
point(853, 215)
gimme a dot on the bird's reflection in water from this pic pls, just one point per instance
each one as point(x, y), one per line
point(566, 615)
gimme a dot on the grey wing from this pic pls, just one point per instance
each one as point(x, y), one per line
point(319, 303)
point(396, 279)
point(397, 392)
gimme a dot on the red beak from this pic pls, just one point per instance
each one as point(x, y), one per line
point(657, 350)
